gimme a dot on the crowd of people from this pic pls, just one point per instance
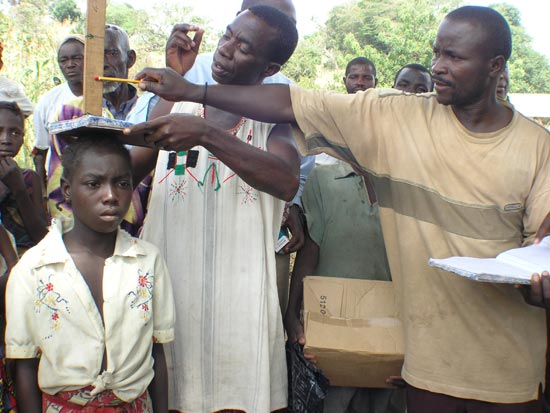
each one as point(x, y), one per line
point(142, 279)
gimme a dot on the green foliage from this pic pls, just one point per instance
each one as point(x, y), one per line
point(390, 33)
point(29, 57)
point(125, 16)
point(303, 66)
point(529, 70)
point(393, 33)
point(65, 10)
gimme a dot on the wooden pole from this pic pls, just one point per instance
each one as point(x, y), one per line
point(93, 56)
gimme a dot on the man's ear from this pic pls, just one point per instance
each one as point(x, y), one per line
point(66, 190)
point(496, 66)
point(131, 58)
point(375, 81)
point(271, 69)
point(344, 80)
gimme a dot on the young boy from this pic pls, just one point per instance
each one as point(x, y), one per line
point(21, 204)
point(95, 303)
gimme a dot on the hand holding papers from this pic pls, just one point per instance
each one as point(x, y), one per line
point(514, 266)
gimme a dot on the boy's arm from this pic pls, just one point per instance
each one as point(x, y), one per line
point(10, 257)
point(39, 159)
point(305, 263)
point(158, 389)
point(30, 207)
point(7, 250)
point(28, 396)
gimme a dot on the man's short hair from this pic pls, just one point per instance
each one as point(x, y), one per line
point(360, 61)
point(413, 66)
point(287, 37)
point(71, 38)
point(286, 6)
point(496, 28)
point(121, 34)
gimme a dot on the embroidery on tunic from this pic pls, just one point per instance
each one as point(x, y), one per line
point(177, 191)
point(211, 176)
point(143, 295)
point(249, 194)
point(49, 299)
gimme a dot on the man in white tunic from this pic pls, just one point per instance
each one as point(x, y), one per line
point(217, 224)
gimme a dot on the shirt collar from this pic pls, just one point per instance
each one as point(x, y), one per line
point(54, 251)
point(125, 107)
point(344, 170)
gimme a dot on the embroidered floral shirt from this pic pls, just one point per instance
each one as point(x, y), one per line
point(51, 312)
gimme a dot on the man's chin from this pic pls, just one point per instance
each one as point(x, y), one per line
point(110, 87)
point(221, 80)
point(444, 100)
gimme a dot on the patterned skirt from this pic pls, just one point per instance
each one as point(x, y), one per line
point(80, 401)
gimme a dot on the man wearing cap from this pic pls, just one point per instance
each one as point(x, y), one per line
point(70, 57)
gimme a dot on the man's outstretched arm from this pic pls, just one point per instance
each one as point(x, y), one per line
point(265, 103)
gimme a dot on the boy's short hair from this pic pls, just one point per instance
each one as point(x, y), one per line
point(13, 107)
point(75, 151)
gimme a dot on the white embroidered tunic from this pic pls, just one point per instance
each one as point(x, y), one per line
point(217, 234)
point(50, 310)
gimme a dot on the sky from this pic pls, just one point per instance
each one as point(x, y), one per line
point(312, 13)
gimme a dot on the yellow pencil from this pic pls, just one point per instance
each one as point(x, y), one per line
point(115, 79)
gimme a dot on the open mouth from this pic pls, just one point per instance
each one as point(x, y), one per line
point(218, 69)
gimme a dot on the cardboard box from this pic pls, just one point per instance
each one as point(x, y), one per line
point(352, 328)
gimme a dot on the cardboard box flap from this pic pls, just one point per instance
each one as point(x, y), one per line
point(349, 298)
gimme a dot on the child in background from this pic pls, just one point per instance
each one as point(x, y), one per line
point(21, 204)
point(92, 301)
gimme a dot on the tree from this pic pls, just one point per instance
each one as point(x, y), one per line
point(393, 33)
point(390, 33)
point(529, 70)
point(65, 10)
point(305, 63)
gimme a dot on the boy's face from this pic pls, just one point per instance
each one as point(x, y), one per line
point(11, 133)
point(100, 191)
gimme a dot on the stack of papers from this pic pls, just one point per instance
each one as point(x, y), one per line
point(89, 124)
point(514, 266)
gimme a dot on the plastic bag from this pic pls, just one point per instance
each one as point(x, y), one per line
point(307, 386)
